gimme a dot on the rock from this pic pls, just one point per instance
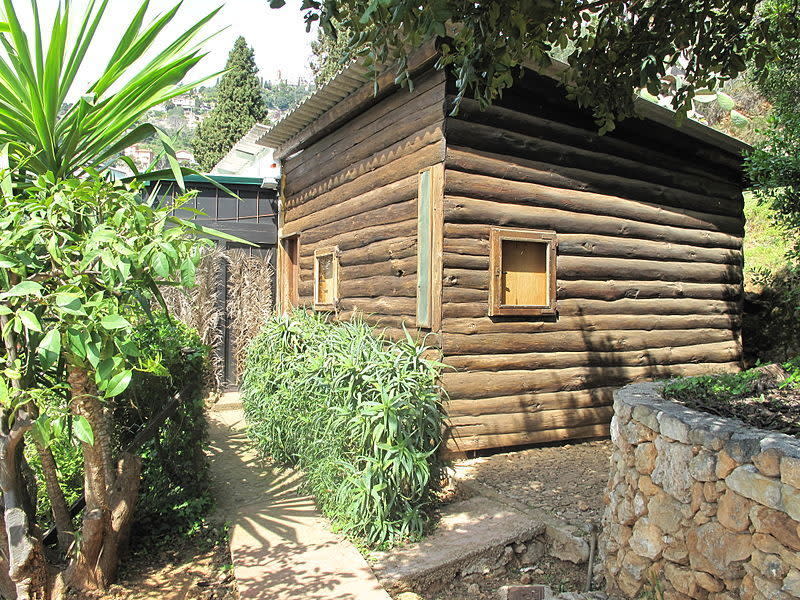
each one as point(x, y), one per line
point(473, 589)
point(703, 466)
point(565, 546)
point(639, 505)
point(647, 539)
point(715, 550)
point(636, 433)
point(408, 596)
point(519, 548)
point(647, 486)
point(725, 464)
point(711, 492)
point(708, 582)
point(768, 462)
point(681, 579)
point(645, 458)
point(633, 574)
point(672, 471)
point(525, 578)
point(747, 481)
point(523, 592)
point(672, 427)
point(665, 512)
point(791, 501)
point(777, 524)
point(770, 565)
point(733, 511)
point(790, 471)
point(645, 415)
point(534, 552)
point(791, 583)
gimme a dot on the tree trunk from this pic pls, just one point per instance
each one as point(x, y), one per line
point(110, 493)
point(27, 568)
point(58, 503)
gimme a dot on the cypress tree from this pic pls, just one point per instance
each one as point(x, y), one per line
point(240, 104)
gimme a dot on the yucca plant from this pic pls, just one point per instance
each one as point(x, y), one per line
point(37, 80)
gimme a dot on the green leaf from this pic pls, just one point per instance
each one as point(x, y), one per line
point(29, 320)
point(738, 119)
point(115, 321)
point(23, 288)
point(3, 391)
point(83, 430)
point(725, 102)
point(118, 384)
point(70, 304)
point(161, 264)
point(41, 431)
point(50, 348)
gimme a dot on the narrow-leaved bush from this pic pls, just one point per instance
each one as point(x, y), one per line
point(359, 414)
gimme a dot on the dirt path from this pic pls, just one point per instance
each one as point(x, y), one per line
point(281, 546)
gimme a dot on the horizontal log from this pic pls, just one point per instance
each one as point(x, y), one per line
point(394, 248)
point(495, 139)
point(719, 352)
point(485, 212)
point(362, 236)
point(603, 341)
point(530, 402)
point(572, 244)
point(484, 187)
point(607, 291)
point(420, 150)
point(559, 132)
point(419, 61)
point(429, 88)
point(385, 216)
point(381, 305)
point(380, 196)
point(379, 286)
point(504, 383)
point(526, 422)
point(593, 268)
point(401, 132)
point(379, 321)
point(629, 306)
point(393, 267)
point(490, 325)
point(465, 443)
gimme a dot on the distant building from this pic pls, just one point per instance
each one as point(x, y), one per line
point(141, 155)
point(248, 158)
point(184, 156)
point(184, 101)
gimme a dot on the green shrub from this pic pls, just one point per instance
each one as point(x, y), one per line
point(360, 415)
point(175, 493)
point(771, 326)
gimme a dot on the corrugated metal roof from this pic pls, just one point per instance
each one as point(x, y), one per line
point(349, 79)
point(243, 151)
point(353, 77)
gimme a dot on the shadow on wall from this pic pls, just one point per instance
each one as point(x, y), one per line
point(771, 328)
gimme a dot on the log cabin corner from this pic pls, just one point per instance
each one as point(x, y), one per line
point(549, 263)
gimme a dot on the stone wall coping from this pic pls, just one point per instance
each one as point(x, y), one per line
point(688, 425)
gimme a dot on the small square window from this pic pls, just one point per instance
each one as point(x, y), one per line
point(326, 278)
point(523, 272)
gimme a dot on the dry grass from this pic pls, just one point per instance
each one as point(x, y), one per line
point(249, 303)
point(250, 298)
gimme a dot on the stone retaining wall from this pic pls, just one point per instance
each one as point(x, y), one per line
point(699, 506)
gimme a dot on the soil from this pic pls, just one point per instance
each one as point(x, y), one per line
point(185, 570)
point(567, 481)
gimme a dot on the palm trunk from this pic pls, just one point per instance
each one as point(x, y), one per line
point(110, 493)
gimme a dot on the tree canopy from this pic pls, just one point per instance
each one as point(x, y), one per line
point(774, 166)
point(615, 46)
point(240, 104)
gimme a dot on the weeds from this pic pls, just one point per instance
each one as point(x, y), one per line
point(360, 415)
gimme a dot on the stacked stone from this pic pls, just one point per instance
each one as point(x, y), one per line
point(699, 506)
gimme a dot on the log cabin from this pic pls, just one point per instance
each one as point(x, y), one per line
point(547, 263)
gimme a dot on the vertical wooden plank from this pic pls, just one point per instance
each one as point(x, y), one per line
point(424, 237)
point(430, 233)
point(437, 243)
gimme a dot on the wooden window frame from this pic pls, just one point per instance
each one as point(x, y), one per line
point(332, 251)
point(289, 272)
point(496, 237)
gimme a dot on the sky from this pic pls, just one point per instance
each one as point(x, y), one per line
point(278, 36)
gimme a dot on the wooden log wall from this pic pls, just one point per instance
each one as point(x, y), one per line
point(356, 188)
point(649, 264)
